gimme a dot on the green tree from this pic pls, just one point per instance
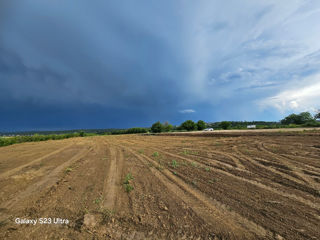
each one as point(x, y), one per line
point(201, 125)
point(317, 115)
point(167, 127)
point(81, 133)
point(225, 124)
point(301, 118)
point(305, 117)
point(189, 125)
point(157, 127)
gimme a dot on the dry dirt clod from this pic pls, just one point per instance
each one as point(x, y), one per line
point(89, 220)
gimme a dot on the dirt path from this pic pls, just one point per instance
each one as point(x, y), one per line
point(113, 177)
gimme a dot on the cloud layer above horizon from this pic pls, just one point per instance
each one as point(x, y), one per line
point(81, 64)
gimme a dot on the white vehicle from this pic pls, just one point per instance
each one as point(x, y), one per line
point(251, 126)
point(208, 129)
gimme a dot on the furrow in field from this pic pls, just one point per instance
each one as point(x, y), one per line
point(72, 193)
point(256, 183)
point(268, 168)
point(285, 161)
point(302, 164)
point(46, 181)
point(235, 160)
point(270, 188)
point(209, 209)
point(17, 169)
point(214, 162)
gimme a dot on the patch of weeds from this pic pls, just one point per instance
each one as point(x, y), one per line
point(141, 151)
point(127, 186)
point(194, 164)
point(106, 214)
point(207, 169)
point(97, 200)
point(175, 173)
point(159, 168)
point(174, 164)
point(104, 158)
point(246, 150)
point(69, 169)
point(128, 178)
point(212, 181)
point(187, 152)
point(194, 183)
point(86, 211)
point(160, 162)
point(155, 154)
point(3, 223)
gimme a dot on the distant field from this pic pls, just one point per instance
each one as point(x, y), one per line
point(235, 184)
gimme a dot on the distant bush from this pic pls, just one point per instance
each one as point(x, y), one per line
point(167, 127)
point(129, 131)
point(157, 127)
point(201, 125)
point(188, 125)
point(136, 130)
point(225, 125)
point(5, 141)
point(312, 123)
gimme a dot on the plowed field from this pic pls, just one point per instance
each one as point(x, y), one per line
point(243, 185)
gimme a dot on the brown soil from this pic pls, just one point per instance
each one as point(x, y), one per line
point(226, 185)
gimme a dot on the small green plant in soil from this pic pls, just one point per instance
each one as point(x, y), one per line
point(97, 200)
point(127, 186)
point(174, 164)
point(155, 154)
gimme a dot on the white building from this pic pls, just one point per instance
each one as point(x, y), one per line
point(251, 126)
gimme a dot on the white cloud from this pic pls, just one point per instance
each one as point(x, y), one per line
point(253, 43)
point(187, 111)
point(303, 97)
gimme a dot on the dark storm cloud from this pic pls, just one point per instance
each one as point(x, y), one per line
point(102, 59)
point(85, 63)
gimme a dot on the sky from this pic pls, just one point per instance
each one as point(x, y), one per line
point(117, 64)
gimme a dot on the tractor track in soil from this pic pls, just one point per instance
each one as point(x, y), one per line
point(263, 186)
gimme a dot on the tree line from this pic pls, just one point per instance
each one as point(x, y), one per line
point(304, 119)
point(5, 141)
point(188, 125)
